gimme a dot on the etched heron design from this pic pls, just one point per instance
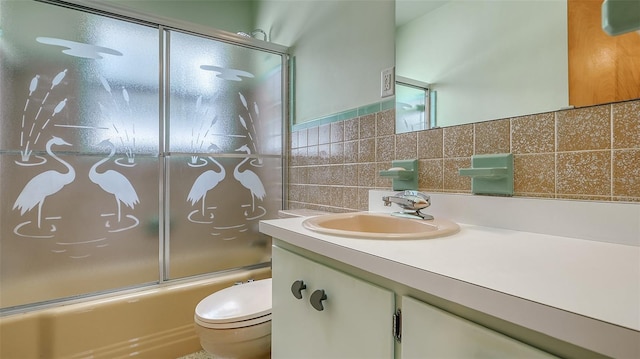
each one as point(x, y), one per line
point(45, 184)
point(249, 179)
point(114, 182)
point(206, 182)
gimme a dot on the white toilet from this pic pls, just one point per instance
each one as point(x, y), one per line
point(235, 323)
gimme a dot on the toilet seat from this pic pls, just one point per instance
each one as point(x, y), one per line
point(233, 325)
point(236, 307)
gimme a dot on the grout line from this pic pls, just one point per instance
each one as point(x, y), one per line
point(611, 179)
point(555, 156)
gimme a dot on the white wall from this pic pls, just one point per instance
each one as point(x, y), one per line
point(340, 48)
point(489, 59)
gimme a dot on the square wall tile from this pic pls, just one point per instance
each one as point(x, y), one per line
point(324, 153)
point(385, 148)
point(351, 129)
point(367, 150)
point(626, 124)
point(324, 134)
point(336, 175)
point(363, 199)
point(586, 128)
point(302, 138)
point(294, 175)
point(492, 137)
point(368, 126)
point(351, 175)
point(430, 174)
point(312, 156)
point(323, 195)
point(367, 174)
point(312, 136)
point(314, 175)
point(386, 123)
point(337, 153)
point(313, 194)
point(406, 146)
point(584, 173)
point(452, 181)
point(458, 141)
point(626, 173)
point(293, 140)
point(533, 134)
point(297, 193)
point(350, 198)
point(430, 143)
point(298, 156)
point(337, 131)
point(534, 174)
point(336, 196)
point(351, 152)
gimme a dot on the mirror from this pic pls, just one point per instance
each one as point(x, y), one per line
point(485, 60)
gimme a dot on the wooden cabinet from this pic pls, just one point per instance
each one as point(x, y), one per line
point(356, 320)
point(602, 68)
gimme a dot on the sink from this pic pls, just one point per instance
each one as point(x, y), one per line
point(379, 226)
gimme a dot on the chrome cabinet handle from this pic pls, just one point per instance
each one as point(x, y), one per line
point(297, 287)
point(316, 299)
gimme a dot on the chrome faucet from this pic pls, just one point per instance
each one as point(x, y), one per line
point(411, 203)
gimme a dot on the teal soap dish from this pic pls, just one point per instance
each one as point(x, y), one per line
point(490, 174)
point(404, 175)
point(398, 173)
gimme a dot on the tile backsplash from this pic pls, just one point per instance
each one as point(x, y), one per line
point(590, 153)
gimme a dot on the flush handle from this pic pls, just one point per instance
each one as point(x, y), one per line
point(297, 287)
point(316, 299)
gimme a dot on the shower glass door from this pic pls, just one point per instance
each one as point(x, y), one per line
point(225, 153)
point(129, 154)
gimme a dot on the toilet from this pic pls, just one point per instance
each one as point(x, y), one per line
point(235, 322)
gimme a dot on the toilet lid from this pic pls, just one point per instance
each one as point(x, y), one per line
point(237, 303)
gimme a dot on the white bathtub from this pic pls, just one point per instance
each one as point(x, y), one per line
point(151, 323)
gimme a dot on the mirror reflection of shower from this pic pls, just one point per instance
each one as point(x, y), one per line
point(415, 105)
point(254, 34)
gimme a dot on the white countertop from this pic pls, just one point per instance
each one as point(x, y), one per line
point(581, 291)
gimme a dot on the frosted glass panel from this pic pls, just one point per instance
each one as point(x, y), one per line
point(214, 217)
point(223, 95)
point(79, 167)
point(82, 173)
point(65, 232)
point(226, 126)
point(78, 76)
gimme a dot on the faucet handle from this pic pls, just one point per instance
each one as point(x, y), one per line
point(409, 200)
point(419, 200)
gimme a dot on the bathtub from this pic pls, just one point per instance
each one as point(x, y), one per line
point(151, 323)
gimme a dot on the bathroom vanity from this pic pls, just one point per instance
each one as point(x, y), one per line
point(482, 292)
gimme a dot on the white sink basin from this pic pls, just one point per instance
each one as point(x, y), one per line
point(379, 226)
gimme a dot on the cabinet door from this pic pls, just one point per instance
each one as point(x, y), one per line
point(356, 321)
point(428, 332)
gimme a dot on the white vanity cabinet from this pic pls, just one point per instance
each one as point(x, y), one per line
point(356, 320)
point(428, 332)
point(353, 321)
